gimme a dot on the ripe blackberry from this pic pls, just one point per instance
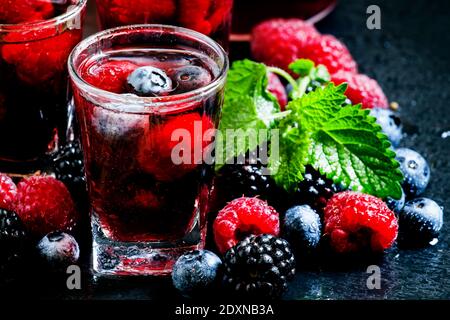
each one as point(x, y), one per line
point(259, 266)
point(315, 189)
point(13, 240)
point(249, 180)
point(69, 167)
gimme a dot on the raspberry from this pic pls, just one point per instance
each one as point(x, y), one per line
point(204, 16)
point(220, 12)
point(157, 145)
point(277, 89)
point(38, 61)
point(276, 41)
point(279, 42)
point(8, 192)
point(362, 89)
point(243, 217)
point(194, 13)
point(44, 204)
point(355, 221)
point(330, 52)
point(13, 11)
point(259, 266)
point(124, 12)
point(109, 76)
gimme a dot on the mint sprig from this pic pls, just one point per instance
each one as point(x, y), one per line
point(248, 106)
point(344, 143)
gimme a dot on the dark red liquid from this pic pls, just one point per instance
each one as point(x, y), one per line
point(210, 17)
point(33, 87)
point(137, 193)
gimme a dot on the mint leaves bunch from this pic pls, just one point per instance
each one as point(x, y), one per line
point(342, 142)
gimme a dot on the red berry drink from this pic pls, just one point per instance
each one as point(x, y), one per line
point(210, 17)
point(36, 38)
point(148, 100)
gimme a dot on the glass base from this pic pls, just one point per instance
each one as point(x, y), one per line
point(115, 258)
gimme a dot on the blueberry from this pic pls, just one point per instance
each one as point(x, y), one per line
point(396, 205)
point(390, 124)
point(302, 228)
point(420, 221)
point(149, 81)
point(191, 77)
point(415, 170)
point(196, 271)
point(59, 249)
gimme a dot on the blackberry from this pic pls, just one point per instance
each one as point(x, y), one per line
point(13, 240)
point(249, 180)
point(69, 167)
point(260, 266)
point(315, 190)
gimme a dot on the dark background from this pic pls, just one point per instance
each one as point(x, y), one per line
point(409, 57)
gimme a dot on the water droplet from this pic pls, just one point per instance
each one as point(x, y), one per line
point(445, 134)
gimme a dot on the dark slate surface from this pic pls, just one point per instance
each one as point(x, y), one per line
point(409, 57)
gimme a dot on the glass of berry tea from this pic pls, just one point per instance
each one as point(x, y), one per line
point(148, 99)
point(36, 38)
point(210, 17)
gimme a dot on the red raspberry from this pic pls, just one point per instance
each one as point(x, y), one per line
point(243, 217)
point(356, 221)
point(155, 152)
point(279, 42)
point(38, 61)
point(362, 89)
point(20, 11)
point(204, 16)
point(44, 204)
point(110, 76)
point(8, 192)
point(124, 12)
point(220, 13)
point(277, 89)
point(276, 42)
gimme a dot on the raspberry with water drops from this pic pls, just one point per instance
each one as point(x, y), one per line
point(8, 192)
point(357, 222)
point(362, 89)
point(44, 204)
point(243, 217)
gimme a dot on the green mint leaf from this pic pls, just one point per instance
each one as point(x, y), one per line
point(344, 143)
point(248, 107)
point(302, 67)
point(321, 74)
point(288, 167)
point(308, 73)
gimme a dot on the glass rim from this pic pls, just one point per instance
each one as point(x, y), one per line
point(58, 20)
point(143, 104)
